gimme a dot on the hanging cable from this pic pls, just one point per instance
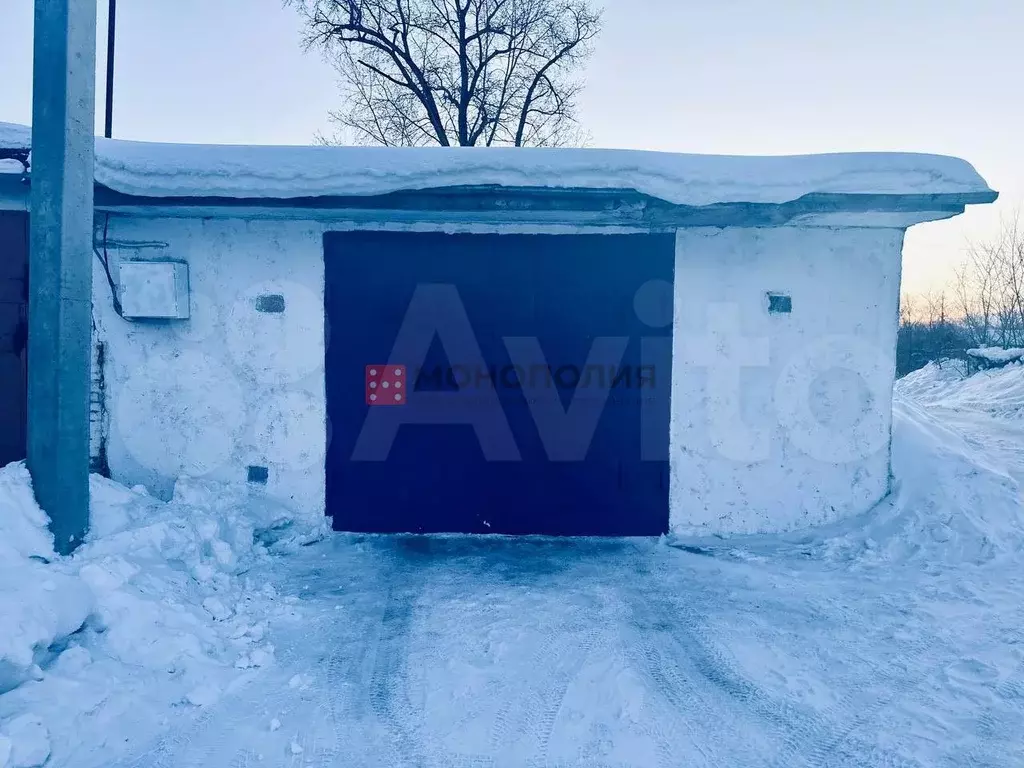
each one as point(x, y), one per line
point(105, 261)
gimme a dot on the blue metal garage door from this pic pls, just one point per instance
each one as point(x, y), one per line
point(511, 384)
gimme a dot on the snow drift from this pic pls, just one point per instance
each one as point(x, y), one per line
point(40, 604)
point(952, 503)
point(998, 392)
point(157, 586)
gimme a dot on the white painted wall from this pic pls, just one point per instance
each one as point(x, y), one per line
point(781, 421)
point(233, 387)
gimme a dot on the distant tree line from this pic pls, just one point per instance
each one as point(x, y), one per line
point(929, 331)
point(983, 308)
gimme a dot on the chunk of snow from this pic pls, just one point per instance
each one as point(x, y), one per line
point(114, 508)
point(295, 748)
point(29, 740)
point(204, 695)
point(23, 525)
point(302, 682)
point(216, 609)
point(258, 657)
point(73, 660)
point(275, 724)
point(10, 165)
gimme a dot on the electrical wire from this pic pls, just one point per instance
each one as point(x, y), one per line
point(105, 261)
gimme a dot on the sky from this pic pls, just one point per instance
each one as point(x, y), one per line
point(708, 76)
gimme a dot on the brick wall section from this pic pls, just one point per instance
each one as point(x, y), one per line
point(97, 410)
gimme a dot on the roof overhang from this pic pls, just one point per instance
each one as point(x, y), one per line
point(528, 205)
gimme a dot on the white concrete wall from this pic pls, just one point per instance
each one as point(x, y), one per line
point(231, 387)
point(781, 421)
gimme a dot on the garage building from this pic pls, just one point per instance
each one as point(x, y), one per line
point(568, 342)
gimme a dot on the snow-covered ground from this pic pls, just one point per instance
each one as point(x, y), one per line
point(211, 638)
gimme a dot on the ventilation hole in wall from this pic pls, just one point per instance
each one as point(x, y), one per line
point(780, 304)
point(259, 475)
point(270, 302)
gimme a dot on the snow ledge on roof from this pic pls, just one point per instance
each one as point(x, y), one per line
point(281, 172)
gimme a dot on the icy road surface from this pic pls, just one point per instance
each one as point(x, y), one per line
point(481, 652)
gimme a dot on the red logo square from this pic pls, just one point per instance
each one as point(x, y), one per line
point(386, 385)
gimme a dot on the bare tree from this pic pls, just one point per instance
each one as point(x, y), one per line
point(908, 308)
point(977, 287)
point(456, 72)
point(990, 287)
point(986, 309)
point(935, 307)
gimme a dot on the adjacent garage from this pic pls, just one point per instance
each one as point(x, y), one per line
point(13, 333)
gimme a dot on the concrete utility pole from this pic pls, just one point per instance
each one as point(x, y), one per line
point(60, 263)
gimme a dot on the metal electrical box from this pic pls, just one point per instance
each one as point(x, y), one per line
point(155, 290)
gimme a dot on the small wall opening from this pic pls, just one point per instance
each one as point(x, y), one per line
point(271, 302)
point(780, 304)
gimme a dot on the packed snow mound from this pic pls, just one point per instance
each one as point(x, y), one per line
point(23, 525)
point(208, 526)
point(157, 587)
point(193, 170)
point(39, 604)
point(998, 392)
point(948, 506)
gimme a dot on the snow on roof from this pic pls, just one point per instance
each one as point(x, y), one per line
point(14, 136)
point(192, 170)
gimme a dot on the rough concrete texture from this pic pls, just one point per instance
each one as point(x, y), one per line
point(781, 421)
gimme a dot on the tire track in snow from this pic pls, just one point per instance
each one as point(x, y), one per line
point(366, 675)
point(559, 656)
point(388, 689)
point(678, 652)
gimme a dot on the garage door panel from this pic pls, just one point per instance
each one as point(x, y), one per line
point(563, 292)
